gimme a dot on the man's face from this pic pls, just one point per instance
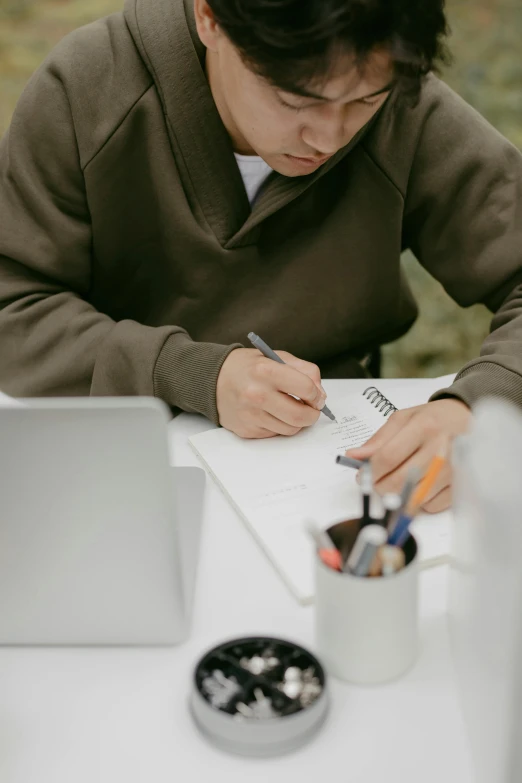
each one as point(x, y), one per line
point(294, 134)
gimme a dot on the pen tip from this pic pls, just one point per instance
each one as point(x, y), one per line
point(327, 412)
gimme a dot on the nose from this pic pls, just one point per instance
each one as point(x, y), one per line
point(328, 132)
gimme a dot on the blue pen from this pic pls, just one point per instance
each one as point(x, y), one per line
point(401, 531)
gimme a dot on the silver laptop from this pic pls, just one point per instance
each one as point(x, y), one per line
point(99, 535)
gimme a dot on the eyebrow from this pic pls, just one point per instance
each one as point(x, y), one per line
point(302, 92)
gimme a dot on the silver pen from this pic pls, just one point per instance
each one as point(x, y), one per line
point(348, 462)
point(265, 349)
point(367, 544)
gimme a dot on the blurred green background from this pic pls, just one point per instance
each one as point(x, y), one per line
point(487, 72)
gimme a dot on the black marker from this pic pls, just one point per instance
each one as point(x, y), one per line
point(366, 489)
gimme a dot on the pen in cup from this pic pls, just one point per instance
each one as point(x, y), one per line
point(400, 533)
point(366, 484)
point(265, 349)
point(327, 551)
point(425, 486)
point(387, 561)
point(392, 503)
point(369, 540)
point(412, 479)
point(392, 559)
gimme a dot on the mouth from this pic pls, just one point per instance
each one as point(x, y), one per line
point(309, 162)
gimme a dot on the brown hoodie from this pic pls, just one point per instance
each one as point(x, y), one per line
point(131, 263)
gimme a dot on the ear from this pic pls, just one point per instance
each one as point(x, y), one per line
point(206, 24)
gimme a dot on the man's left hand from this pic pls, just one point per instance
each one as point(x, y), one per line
point(411, 438)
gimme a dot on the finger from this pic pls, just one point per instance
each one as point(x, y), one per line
point(307, 368)
point(440, 502)
point(253, 433)
point(277, 425)
point(285, 378)
point(405, 442)
point(388, 431)
point(394, 480)
point(292, 413)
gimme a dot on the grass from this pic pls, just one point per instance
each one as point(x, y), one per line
point(487, 72)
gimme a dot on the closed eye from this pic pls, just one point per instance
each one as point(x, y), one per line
point(370, 101)
point(365, 101)
point(290, 106)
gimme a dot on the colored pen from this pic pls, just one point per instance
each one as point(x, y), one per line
point(413, 477)
point(366, 489)
point(265, 349)
point(364, 550)
point(392, 503)
point(392, 559)
point(422, 491)
point(400, 533)
point(348, 462)
point(376, 565)
point(327, 551)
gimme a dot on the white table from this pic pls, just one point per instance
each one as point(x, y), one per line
point(120, 716)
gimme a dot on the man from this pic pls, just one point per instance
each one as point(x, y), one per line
point(182, 173)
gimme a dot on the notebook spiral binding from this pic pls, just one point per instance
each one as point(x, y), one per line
point(379, 401)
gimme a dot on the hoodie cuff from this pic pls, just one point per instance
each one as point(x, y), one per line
point(186, 372)
point(484, 379)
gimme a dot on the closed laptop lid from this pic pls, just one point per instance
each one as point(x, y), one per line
point(89, 546)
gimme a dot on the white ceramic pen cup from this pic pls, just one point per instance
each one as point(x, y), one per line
point(366, 627)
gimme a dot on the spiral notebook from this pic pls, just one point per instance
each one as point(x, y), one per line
point(277, 483)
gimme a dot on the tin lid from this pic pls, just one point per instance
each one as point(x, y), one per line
point(259, 696)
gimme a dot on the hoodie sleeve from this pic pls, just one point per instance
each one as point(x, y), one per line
point(52, 340)
point(463, 221)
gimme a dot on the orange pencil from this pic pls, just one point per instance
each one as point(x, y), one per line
point(400, 532)
point(425, 486)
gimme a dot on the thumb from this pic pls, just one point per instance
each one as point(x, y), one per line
point(366, 451)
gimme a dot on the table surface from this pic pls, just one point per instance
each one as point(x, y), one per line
point(111, 715)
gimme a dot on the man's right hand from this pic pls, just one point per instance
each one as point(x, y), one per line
point(253, 394)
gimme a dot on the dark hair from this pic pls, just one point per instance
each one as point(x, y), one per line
point(293, 43)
